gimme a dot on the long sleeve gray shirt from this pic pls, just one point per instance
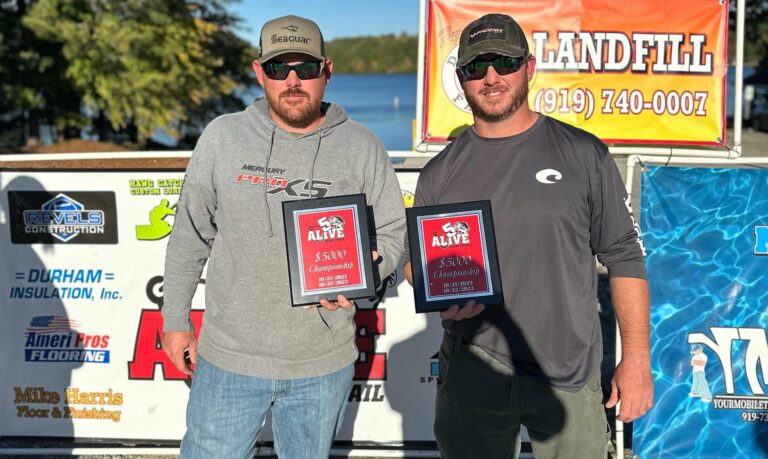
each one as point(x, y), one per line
point(230, 216)
point(558, 202)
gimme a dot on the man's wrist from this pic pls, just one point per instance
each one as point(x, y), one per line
point(177, 324)
point(638, 358)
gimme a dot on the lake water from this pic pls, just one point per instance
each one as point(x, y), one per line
point(385, 104)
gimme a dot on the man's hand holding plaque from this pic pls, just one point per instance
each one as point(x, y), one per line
point(341, 300)
point(468, 311)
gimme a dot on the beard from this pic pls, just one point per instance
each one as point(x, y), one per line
point(298, 114)
point(496, 113)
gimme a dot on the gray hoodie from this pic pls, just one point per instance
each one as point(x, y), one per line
point(230, 214)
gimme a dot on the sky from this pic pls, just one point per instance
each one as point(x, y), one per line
point(336, 18)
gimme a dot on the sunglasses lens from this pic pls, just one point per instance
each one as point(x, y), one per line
point(308, 70)
point(504, 65)
point(276, 70)
point(280, 70)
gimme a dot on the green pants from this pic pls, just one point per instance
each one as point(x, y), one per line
point(481, 404)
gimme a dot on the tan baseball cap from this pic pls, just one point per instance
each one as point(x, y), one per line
point(291, 34)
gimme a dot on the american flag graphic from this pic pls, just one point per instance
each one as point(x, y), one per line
point(51, 324)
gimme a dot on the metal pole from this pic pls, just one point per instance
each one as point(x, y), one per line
point(420, 66)
point(739, 87)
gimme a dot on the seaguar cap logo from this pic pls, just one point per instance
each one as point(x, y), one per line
point(455, 234)
point(64, 218)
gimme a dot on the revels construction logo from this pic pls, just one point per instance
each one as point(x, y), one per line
point(76, 217)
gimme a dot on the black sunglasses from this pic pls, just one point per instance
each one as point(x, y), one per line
point(280, 70)
point(503, 65)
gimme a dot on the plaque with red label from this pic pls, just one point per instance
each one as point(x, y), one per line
point(329, 249)
point(453, 255)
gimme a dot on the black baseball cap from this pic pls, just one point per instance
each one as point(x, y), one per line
point(492, 33)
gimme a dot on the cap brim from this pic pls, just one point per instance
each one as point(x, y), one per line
point(274, 54)
point(489, 49)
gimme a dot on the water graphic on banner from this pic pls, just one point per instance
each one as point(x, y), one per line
point(708, 271)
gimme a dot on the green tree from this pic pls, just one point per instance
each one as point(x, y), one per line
point(236, 55)
point(380, 54)
point(139, 64)
point(33, 88)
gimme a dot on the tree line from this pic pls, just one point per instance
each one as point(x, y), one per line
point(383, 54)
point(119, 70)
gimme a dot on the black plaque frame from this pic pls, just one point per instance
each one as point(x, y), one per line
point(291, 210)
point(418, 261)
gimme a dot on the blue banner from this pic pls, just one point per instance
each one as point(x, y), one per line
point(706, 235)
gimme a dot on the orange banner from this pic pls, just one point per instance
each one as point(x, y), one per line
point(645, 71)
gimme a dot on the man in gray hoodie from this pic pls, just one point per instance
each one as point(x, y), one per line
point(255, 350)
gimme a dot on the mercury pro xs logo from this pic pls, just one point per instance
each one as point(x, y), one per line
point(276, 182)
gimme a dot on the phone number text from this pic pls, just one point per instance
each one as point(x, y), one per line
point(582, 101)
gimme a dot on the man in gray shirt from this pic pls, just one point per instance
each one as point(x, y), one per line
point(558, 201)
point(255, 351)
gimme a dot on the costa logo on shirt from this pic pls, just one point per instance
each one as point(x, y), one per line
point(455, 234)
point(548, 176)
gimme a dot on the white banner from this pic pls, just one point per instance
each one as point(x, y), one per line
point(81, 282)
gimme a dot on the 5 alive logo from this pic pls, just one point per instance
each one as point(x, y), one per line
point(455, 234)
point(328, 229)
point(148, 352)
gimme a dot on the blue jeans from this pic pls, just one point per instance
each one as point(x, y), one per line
point(226, 411)
point(700, 388)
